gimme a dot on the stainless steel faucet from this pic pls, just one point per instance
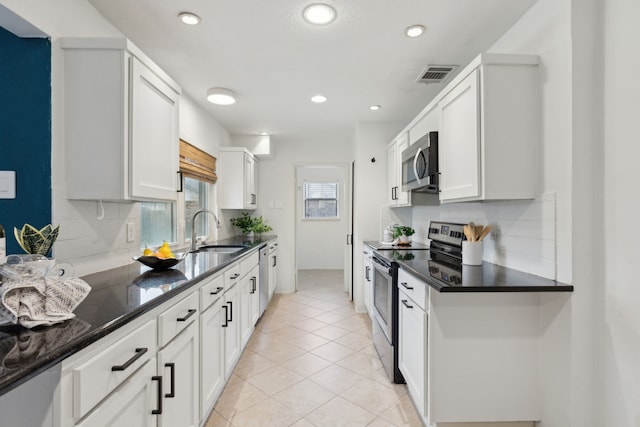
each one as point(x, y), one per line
point(193, 225)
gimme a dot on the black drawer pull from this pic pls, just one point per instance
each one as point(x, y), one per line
point(190, 313)
point(159, 410)
point(406, 304)
point(226, 318)
point(138, 355)
point(235, 276)
point(230, 319)
point(406, 286)
point(172, 366)
point(253, 285)
point(217, 291)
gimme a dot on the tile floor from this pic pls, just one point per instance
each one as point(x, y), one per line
point(311, 362)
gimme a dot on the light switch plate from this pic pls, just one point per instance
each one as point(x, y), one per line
point(131, 232)
point(7, 184)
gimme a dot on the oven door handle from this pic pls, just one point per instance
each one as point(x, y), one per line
point(386, 268)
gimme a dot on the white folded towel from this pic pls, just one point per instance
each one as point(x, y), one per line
point(43, 301)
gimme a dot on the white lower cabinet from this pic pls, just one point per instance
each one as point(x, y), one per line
point(231, 325)
point(178, 366)
point(212, 375)
point(413, 330)
point(134, 403)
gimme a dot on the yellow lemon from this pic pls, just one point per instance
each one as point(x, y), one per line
point(166, 252)
point(147, 252)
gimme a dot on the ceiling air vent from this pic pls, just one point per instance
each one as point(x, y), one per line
point(436, 73)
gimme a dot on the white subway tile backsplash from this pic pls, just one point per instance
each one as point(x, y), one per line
point(524, 236)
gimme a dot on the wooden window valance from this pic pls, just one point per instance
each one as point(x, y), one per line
point(197, 164)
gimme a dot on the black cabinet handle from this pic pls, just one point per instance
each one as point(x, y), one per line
point(226, 319)
point(235, 276)
point(217, 291)
point(190, 313)
point(406, 286)
point(230, 319)
point(138, 355)
point(406, 304)
point(172, 366)
point(275, 262)
point(180, 180)
point(366, 273)
point(159, 410)
point(253, 285)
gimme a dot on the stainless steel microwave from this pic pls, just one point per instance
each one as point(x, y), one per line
point(420, 165)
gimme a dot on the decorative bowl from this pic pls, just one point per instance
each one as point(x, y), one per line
point(160, 263)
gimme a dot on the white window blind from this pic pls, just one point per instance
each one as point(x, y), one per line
point(321, 200)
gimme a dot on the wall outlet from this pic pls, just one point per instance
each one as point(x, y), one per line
point(131, 232)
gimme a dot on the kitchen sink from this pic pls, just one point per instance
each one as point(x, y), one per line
point(220, 249)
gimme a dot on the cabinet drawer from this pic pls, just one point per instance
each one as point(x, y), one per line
point(232, 274)
point(247, 264)
point(176, 318)
point(414, 288)
point(100, 375)
point(211, 291)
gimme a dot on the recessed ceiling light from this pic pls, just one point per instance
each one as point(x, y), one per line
point(264, 133)
point(221, 96)
point(374, 107)
point(189, 18)
point(318, 99)
point(414, 31)
point(319, 14)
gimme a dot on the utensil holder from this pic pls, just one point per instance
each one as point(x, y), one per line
point(472, 253)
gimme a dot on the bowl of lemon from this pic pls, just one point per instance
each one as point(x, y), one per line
point(161, 259)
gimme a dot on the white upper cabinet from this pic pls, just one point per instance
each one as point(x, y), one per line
point(121, 123)
point(395, 196)
point(489, 130)
point(238, 178)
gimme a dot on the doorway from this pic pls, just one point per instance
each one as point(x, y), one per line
point(322, 219)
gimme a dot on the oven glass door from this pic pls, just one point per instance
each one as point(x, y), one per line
point(382, 287)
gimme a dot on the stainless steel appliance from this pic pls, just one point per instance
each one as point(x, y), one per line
point(385, 314)
point(420, 165)
point(264, 277)
point(446, 251)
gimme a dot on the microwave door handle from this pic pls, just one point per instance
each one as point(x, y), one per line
point(415, 166)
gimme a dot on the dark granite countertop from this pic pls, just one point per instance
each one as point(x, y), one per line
point(450, 277)
point(117, 296)
point(377, 245)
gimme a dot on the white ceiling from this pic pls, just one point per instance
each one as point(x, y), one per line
point(274, 61)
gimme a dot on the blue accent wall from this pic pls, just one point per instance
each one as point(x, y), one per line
point(25, 131)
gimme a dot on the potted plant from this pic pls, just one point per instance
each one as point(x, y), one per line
point(249, 225)
point(402, 233)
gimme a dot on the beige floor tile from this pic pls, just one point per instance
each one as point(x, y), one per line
point(311, 312)
point(331, 332)
point(330, 317)
point(310, 325)
point(251, 364)
point(361, 363)
point(332, 351)
point(302, 423)
point(287, 332)
point(241, 397)
point(336, 378)
point(274, 380)
point(281, 353)
point(234, 382)
point(304, 397)
point(260, 341)
point(269, 413)
point(372, 396)
point(308, 342)
point(403, 413)
point(217, 420)
point(356, 323)
point(381, 422)
point(339, 412)
point(381, 377)
point(306, 365)
point(354, 340)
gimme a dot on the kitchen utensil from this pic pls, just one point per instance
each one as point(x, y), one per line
point(479, 229)
point(485, 232)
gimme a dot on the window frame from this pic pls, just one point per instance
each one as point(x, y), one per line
point(305, 198)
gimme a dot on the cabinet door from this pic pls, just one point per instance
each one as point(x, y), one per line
point(178, 366)
point(250, 193)
point(246, 286)
point(412, 331)
point(153, 149)
point(231, 325)
point(402, 197)
point(392, 167)
point(459, 141)
point(273, 269)
point(212, 374)
point(131, 404)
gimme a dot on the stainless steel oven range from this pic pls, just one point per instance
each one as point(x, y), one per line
point(385, 314)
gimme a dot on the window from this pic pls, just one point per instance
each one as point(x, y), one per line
point(157, 223)
point(320, 200)
point(195, 198)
